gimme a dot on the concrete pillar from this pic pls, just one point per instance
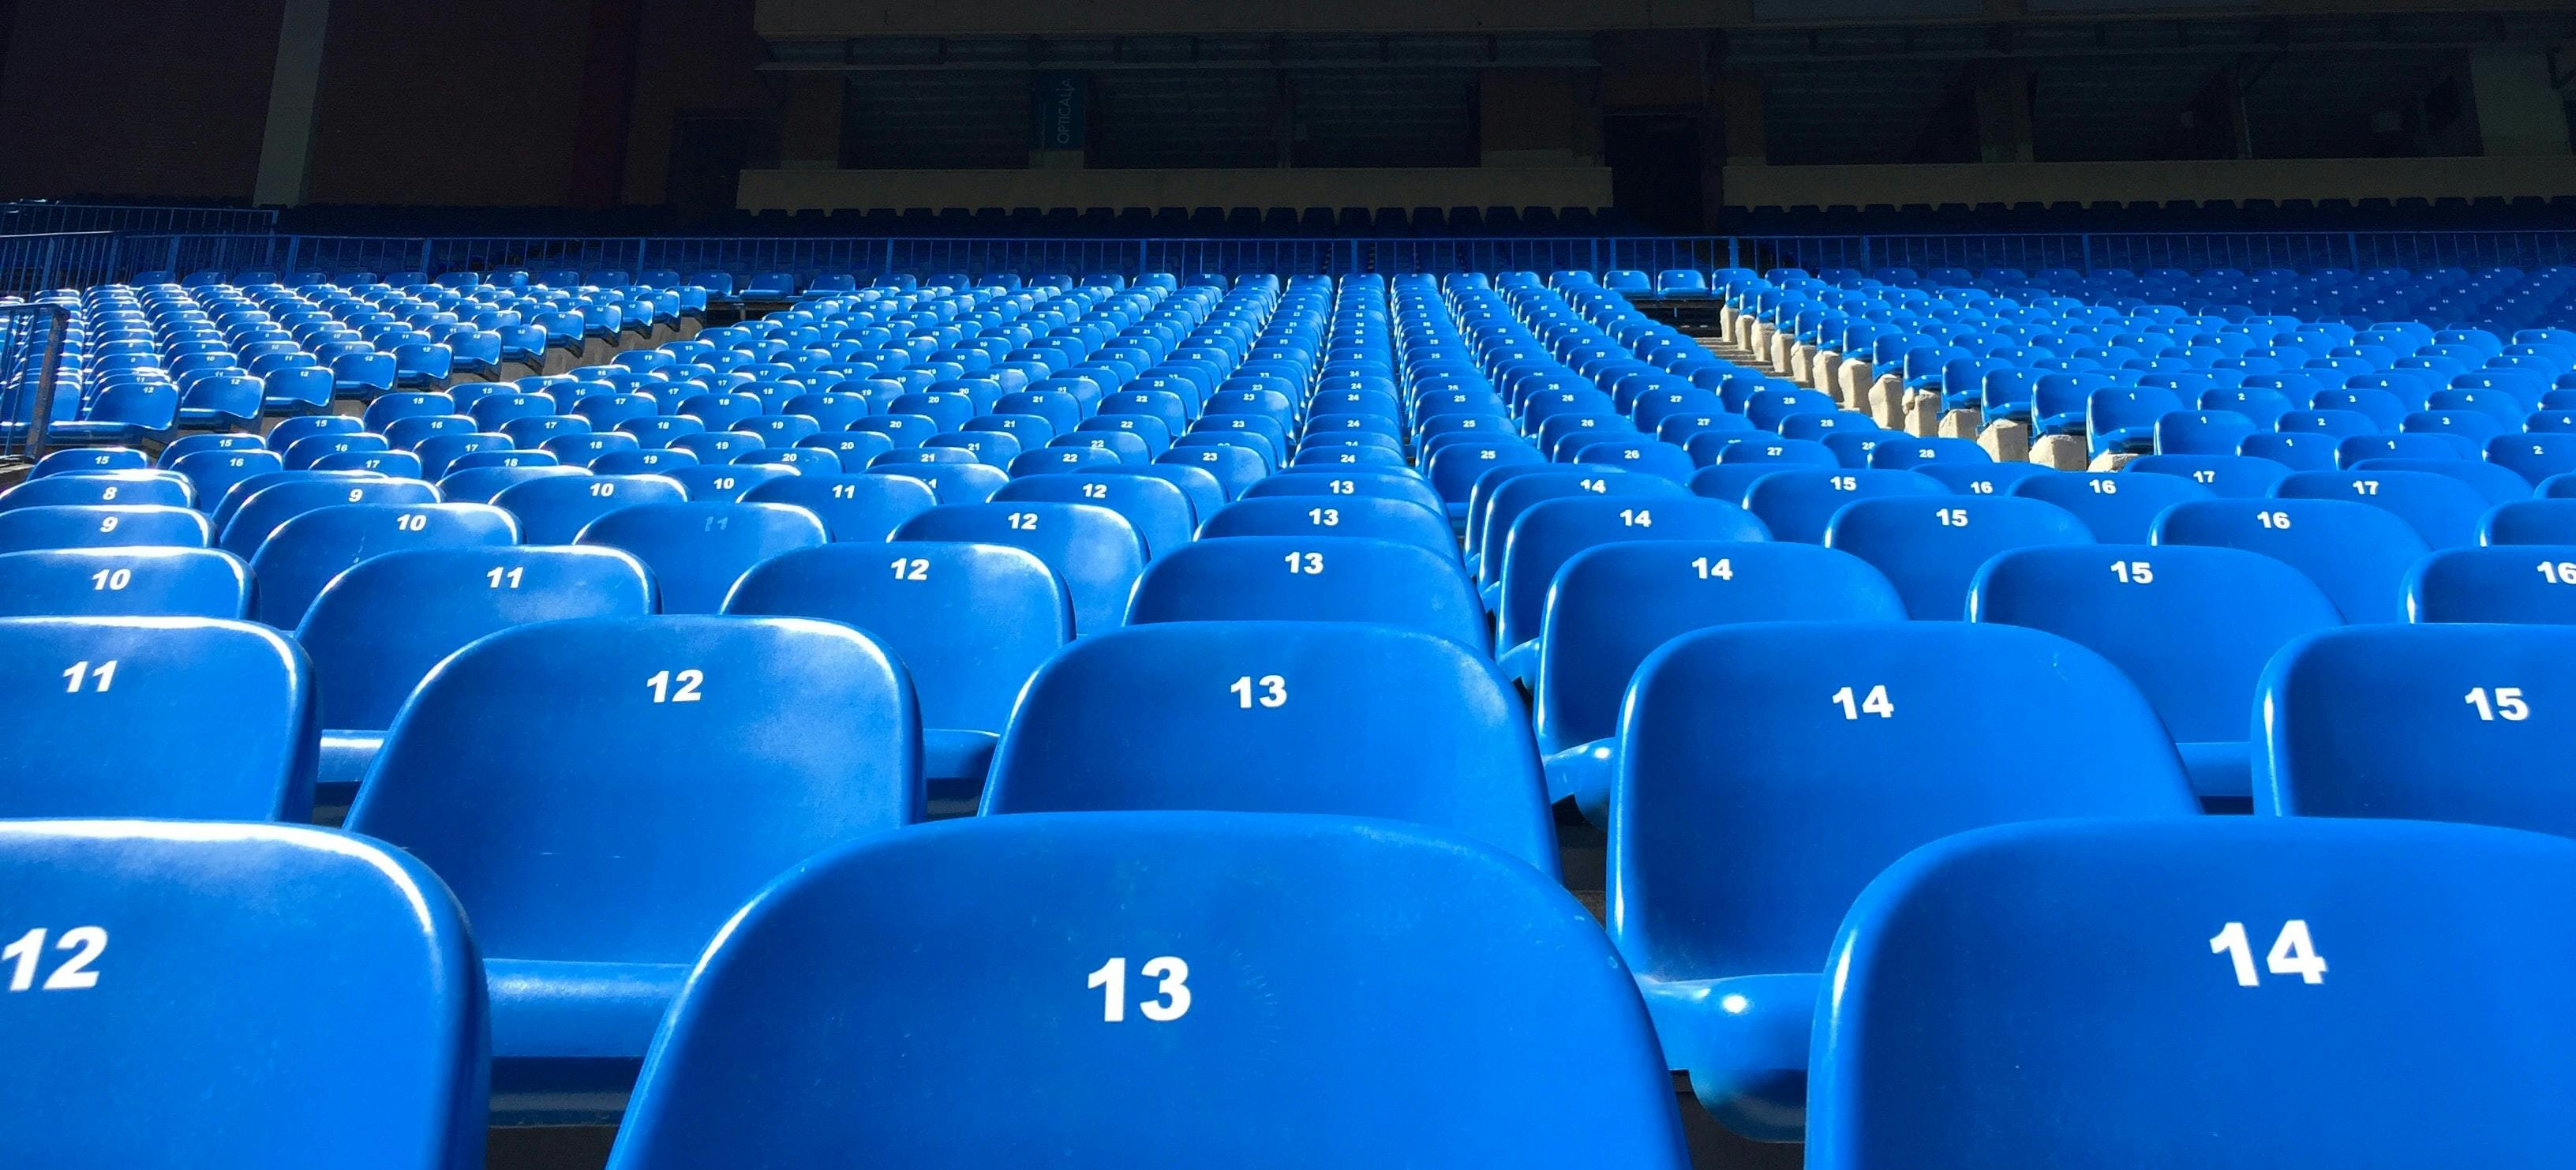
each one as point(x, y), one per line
point(294, 90)
point(2001, 90)
point(1739, 96)
point(809, 122)
point(2519, 112)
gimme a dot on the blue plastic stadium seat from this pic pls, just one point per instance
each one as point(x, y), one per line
point(1551, 532)
point(311, 548)
point(1093, 550)
point(1614, 604)
point(2192, 627)
point(851, 507)
point(378, 628)
point(263, 510)
point(2357, 554)
point(1931, 548)
point(2226, 476)
point(1365, 516)
point(864, 984)
point(124, 582)
point(1384, 483)
point(602, 794)
point(1161, 514)
point(1311, 578)
point(140, 488)
point(1983, 982)
point(724, 483)
point(134, 1053)
point(2444, 511)
point(90, 459)
point(2550, 521)
point(102, 526)
point(555, 510)
point(1798, 503)
point(2531, 584)
point(1737, 844)
point(2117, 507)
point(696, 550)
point(154, 717)
point(969, 622)
point(1331, 717)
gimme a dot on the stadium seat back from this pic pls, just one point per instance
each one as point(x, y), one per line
point(294, 564)
point(554, 510)
point(182, 718)
point(378, 628)
point(696, 550)
point(124, 582)
point(2201, 952)
point(648, 774)
point(865, 980)
point(1311, 578)
point(131, 1041)
point(1931, 548)
point(1093, 550)
point(1333, 717)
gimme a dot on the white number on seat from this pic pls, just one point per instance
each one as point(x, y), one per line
point(355, 495)
point(95, 678)
point(85, 943)
point(2134, 572)
point(2365, 487)
point(1723, 568)
point(1306, 563)
point(2105, 487)
point(1637, 517)
point(504, 578)
point(845, 491)
point(1328, 517)
point(1953, 517)
point(911, 569)
point(2205, 476)
point(1024, 521)
point(1595, 486)
point(687, 681)
point(1875, 702)
point(2506, 704)
point(1095, 491)
point(411, 522)
point(2293, 953)
point(603, 489)
point(108, 523)
point(1341, 487)
point(1171, 989)
point(2273, 520)
point(1273, 688)
point(2558, 572)
point(111, 580)
point(1846, 483)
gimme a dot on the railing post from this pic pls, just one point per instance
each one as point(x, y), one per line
point(1733, 255)
point(294, 249)
point(2352, 248)
point(424, 260)
point(887, 269)
point(45, 271)
point(2085, 241)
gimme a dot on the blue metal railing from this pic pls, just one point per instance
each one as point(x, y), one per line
point(71, 259)
point(51, 260)
point(31, 343)
point(34, 216)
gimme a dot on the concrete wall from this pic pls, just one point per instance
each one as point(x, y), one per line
point(794, 189)
point(461, 102)
point(2149, 182)
point(154, 98)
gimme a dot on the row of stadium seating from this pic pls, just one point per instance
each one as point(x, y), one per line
point(1285, 525)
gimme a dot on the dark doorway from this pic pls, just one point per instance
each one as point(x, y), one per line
point(1655, 169)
